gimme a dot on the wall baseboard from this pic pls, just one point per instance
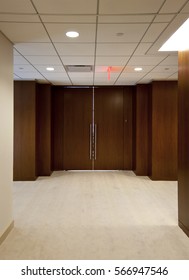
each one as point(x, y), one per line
point(6, 233)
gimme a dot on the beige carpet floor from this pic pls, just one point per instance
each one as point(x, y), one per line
point(95, 215)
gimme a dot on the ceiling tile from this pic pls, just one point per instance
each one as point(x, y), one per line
point(104, 83)
point(171, 6)
point(18, 59)
point(17, 6)
point(103, 78)
point(68, 19)
point(186, 8)
point(71, 7)
point(111, 60)
point(133, 76)
point(125, 82)
point(81, 75)
point(55, 76)
point(75, 49)
point(18, 32)
point(164, 18)
point(145, 81)
point(35, 48)
point(173, 77)
point(60, 82)
point(165, 69)
point(82, 82)
point(131, 32)
point(30, 75)
point(130, 69)
point(18, 18)
point(157, 76)
point(15, 52)
point(57, 32)
point(57, 68)
point(16, 78)
point(115, 49)
point(44, 60)
point(126, 19)
point(20, 68)
point(142, 48)
point(145, 60)
point(58, 78)
point(78, 60)
point(154, 32)
point(170, 60)
point(104, 69)
point(129, 7)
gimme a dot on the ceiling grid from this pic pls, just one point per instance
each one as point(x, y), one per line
point(116, 35)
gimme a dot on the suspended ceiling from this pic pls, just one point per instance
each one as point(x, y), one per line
point(120, 34)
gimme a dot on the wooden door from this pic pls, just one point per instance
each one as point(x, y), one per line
point(109, 128)
point(77, 120)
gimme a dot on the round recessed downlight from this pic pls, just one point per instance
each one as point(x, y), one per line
point(72, 34)
point(50, 69)
point(138, 69)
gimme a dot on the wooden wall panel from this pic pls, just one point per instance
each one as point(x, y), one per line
point(24, 131)
point(77, 120)
point(109, 126)
point(164, 130)
point(142, 129)
point(43, 129)
point(57, 127)
point(129, 128)
point(183, 143)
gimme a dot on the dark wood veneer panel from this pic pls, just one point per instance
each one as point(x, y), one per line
point(109, 121)
point(43, 129)
point(77, 120)
point(164, 130)
point(129, 129)
point(142, 129)
point(24, 131)
point(57, 127)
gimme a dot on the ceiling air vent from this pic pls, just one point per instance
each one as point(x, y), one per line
point(79, 68)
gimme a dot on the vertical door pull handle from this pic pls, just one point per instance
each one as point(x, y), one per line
point(95, 141)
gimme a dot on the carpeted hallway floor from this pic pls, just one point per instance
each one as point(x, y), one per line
point(95, 215)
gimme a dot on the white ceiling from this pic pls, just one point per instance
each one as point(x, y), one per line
point(37, 28)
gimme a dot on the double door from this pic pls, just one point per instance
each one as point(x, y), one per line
point(93, 129)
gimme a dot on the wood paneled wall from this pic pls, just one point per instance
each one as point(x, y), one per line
point(24, 131)
point(129, 126)
point(164, 130)
point(143, 116)
point(57, 127)
point(43, 129)
point(150, 122)
point(183, 143)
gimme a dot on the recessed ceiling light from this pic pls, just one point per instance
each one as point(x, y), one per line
point(50, 69)
point(138, 69)
point(72, 34)
point(178, 41)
